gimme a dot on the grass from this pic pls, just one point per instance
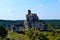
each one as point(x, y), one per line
point(49, 35)
point(16, 36)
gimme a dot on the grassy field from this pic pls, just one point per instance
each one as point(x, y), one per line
point(16, 36)
point(43, 35)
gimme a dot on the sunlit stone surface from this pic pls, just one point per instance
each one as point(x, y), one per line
point(32, 20)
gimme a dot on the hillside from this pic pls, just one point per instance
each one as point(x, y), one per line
point(9, 22)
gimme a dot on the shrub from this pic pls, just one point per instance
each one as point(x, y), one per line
point(3, 32)
point(43, 37)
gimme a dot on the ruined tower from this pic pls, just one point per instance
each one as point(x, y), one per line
point(32, 20)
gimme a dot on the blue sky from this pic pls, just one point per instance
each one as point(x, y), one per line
point(17, 9)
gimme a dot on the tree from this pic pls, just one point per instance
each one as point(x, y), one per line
point(43, 37)
point(3, 32)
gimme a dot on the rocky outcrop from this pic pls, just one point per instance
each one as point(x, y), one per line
point(32, 20)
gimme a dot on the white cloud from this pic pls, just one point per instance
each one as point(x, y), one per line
point(11, 10)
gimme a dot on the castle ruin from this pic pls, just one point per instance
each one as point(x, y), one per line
point(32, 20)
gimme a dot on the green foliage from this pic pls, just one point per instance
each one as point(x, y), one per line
point(32, 34)
point(51, 26)
point(3, 32)
point(43, 37)
point(37, 35)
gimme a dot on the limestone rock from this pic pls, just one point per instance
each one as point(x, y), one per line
point(32, 20)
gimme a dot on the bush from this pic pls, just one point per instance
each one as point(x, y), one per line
point(7, 38)
point(3, 32)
